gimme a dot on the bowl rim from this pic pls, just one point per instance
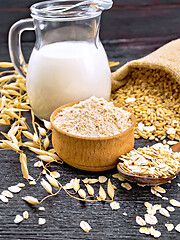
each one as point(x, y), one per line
point(56, 111)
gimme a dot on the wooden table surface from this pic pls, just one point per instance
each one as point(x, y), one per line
point(63, 213)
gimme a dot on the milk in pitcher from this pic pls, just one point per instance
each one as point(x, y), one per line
point(65, 72)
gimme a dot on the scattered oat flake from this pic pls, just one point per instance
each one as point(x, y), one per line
point(147, 204)
point(31, 200)
point(21, 185)
point(170, 209)
point(14, 189)
point(126, 185)
point(124, 213)
point(7, 193)
point(174, 202)
point(164, 212)
point(157, 206)
point(140, 221)
point(150, 219)
point(156, 233)
point(114, 205)
point(25, 215)
point(41, 208)
point(144, 230)
point(177, 228)
point(41, 221)
point(169, 226)
point(85, 226)
point(151, 210)
point(18, 219)
point(102, 179)
point(155, 192)
point(159, 189)
point(3, 198)
point(164, 198)
point(118, 176)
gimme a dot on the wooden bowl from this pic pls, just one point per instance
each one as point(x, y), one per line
point(91, 153)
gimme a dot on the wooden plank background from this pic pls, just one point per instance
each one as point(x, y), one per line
point(128, 19)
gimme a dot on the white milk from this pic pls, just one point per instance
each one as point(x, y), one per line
point(64, 72)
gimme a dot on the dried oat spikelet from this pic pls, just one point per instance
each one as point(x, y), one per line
point(48, 125)
point(42, 131)
point(28, 135)
point(46, 142)
point(46, 186)
point(11, 145)
point(82, 193)
point(24, 168)
point(46, 158)
point(102, 194)
point(76, 185)
point(52, 181)
point(36, 138)
point(93, 180)
point(55, 174)
point(6, 65)
point(90, 189)
point(110, 189)
point(31, 200)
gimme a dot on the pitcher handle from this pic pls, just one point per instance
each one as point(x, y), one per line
point(15, 44)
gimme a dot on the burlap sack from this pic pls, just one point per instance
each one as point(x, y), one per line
point(166, 58)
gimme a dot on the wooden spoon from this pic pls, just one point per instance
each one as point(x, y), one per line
point(149, 180)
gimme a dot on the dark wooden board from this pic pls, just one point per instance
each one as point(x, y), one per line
point(63, 214)
point(126, 19)
point(131, 29)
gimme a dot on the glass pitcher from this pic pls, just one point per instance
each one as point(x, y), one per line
point(68, 62)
